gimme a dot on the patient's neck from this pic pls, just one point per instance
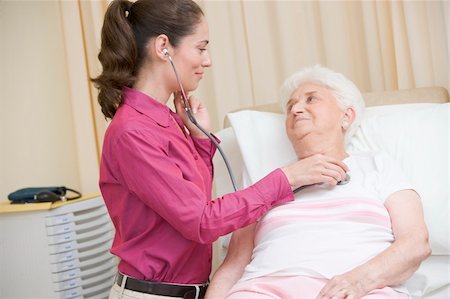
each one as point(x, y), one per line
point(333, 148)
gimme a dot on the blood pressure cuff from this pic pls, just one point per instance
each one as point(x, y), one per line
point(41, 194)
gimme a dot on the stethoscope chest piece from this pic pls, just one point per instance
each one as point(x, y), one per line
point(344, 181)
point(340, 183)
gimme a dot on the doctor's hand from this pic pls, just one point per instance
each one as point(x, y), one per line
point(315, 169)
point(198, 110)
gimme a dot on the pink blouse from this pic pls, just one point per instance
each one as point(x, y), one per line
point(156, 182)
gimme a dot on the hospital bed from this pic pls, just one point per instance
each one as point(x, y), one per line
point(410, 125)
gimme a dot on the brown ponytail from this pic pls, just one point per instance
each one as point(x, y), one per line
point(118, 56)
point(126, 31)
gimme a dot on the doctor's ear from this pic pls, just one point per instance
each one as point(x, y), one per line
point(162, 46)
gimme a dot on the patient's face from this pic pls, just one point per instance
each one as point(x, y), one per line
point(313, 109)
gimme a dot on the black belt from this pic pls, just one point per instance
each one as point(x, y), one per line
point(163, 289)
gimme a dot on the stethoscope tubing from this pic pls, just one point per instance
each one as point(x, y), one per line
point(194, 121)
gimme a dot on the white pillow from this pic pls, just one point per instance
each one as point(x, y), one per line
point(262, 140)
point(416, 135)
point(418, 140)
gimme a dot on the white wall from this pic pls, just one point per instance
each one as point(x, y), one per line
point(37, 146)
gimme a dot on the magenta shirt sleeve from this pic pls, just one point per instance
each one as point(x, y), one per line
point(166, 185)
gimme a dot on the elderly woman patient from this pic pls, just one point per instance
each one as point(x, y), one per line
point(361, 239)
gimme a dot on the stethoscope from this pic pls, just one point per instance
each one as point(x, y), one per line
point(194, 121)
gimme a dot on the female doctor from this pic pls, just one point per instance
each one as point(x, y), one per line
point(156, 168)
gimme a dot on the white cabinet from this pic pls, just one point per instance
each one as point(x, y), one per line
point(57, 253)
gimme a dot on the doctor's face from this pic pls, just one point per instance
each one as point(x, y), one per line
point(312, 109)
point(192, 56)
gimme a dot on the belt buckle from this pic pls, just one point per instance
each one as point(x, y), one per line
point(191, 295)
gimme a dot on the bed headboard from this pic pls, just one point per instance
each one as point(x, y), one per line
point(414, 95)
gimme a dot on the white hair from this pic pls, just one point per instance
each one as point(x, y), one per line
point(345, 91)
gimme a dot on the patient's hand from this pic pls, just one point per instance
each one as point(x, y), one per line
point(348, 286)
point(314, 170)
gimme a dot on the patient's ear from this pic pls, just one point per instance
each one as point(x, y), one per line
point(348, 118)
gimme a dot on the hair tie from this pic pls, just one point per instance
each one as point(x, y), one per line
point(128, 9)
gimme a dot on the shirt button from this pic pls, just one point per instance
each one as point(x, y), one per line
point(195, 156)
